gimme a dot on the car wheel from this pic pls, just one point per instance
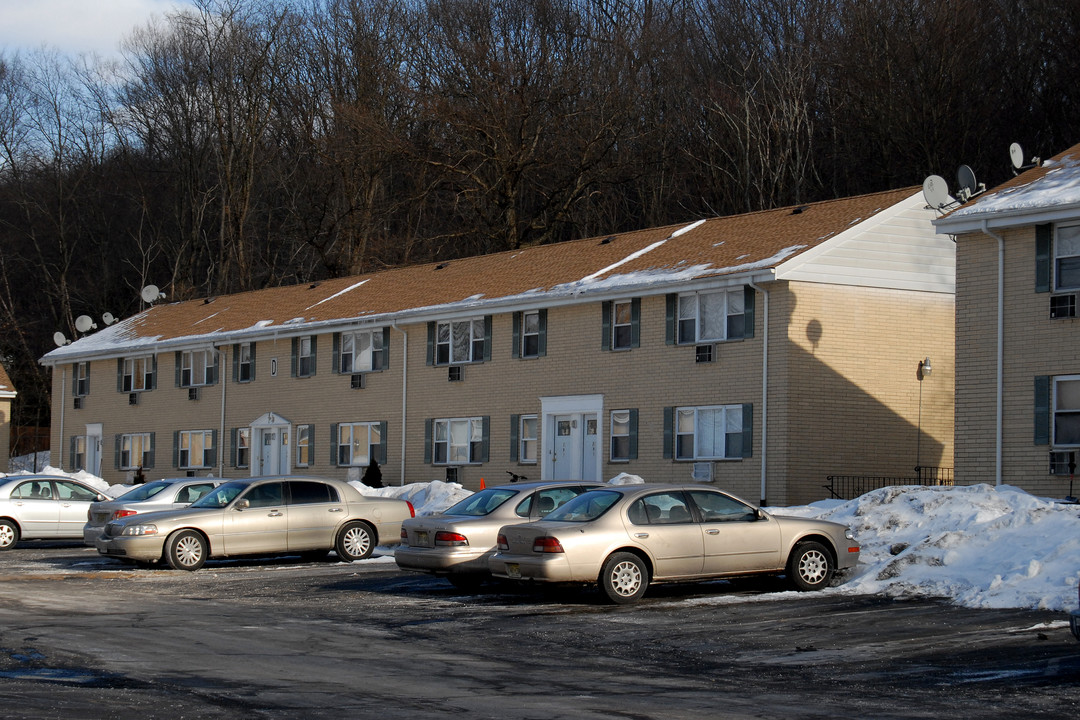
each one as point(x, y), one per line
point(186, 550)
point(624, 578)
point(9, 534)
point(810, 566)
point(355, 541)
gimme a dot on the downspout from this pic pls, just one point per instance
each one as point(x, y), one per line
point(63, 399)
point(764, 388)
point(404, 395)
point(221, 431)
point(1000, 384)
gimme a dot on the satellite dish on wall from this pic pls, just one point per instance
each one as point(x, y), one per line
point(965, 176)
point(59, 339)
point(936, 192)
point(108, 319)
point(84, 323)
point(1016, 154)
point(150, 293)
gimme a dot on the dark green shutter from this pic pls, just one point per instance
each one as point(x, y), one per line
point(71, 454)
point(211, 461)
point(431, 343)
point(515, 426)
point(749, 298)
point(179, 359)
point(633, 433)
point(487, 338)
point(176, 448)
point(1042, 410)
point(311, 444)
point(233, 436)
point(1043, 236)
point(153, 373)
point(605, 326)
point(428, 454)
point(382, 442)
point(333, 444)
point(314, 355)
point(217, 367)
point(671, 318)
point(515, 348)
point(669, 433)
point(116, 452)
point(385, 349)
point(119, 374)
point(294, 354)
point(543, 334)
point(335, 360)
point(252, 346)
point(747, 430)
point(153, 451)
point(236, 362)
point(635, 323)
point(485, 438)
point(74, 379)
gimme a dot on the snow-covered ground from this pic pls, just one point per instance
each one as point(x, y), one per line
point(980, 546)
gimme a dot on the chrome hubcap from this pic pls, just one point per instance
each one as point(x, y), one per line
point(813, 567)
point(7, 536)
point(357, 541)
point(626, 578)
point(189, 551)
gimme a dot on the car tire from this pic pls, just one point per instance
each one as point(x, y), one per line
point(9, 534)
point(810, 566)
point(186, 550)
point(355, 541)
point(624, 578)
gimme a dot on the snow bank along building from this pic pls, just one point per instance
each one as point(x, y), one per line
point(7, 394)
point(761, 352)
point(1017, 331)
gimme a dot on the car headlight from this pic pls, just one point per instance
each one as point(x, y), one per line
point(137, 530)
point(848, 534)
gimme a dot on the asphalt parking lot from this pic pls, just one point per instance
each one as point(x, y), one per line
point(86, 637)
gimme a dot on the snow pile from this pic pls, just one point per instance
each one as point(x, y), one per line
point(980, 546)
point(427, 498)
point(92, 480)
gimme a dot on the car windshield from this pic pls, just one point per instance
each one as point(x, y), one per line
point(220, 496)
point(585, 507)
point(481, 503)
point(145, 492)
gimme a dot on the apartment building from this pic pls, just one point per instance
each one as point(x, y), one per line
point(7, 396)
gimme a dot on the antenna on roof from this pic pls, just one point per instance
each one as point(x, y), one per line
point(936, 192)
point(1016, 155)
point(151, 293)
point(84, 323)
point(965, 176)
point(59, 338)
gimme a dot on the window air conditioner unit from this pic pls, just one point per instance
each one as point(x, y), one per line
point(1063, 306)
point(703, 472)
point(133, 399)
point(453, 474)
point(193, 393)
point(456, 374)
point(704, 353)
point(77, 403)
point(191, 473)
point(357, 382)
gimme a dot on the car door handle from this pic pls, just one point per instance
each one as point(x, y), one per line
point(275, 513)
point(335, 509)
point(641, 535)
point(712, 531)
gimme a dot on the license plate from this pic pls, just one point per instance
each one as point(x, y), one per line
point(421, 537)
point(513, 570)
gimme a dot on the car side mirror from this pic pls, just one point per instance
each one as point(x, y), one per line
point(100, 498)
point(243, 504)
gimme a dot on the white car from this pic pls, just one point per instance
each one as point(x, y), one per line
point(37, 507)
point(169, 494)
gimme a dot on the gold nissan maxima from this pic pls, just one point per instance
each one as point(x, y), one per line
point(627, 537)
point(260, 516)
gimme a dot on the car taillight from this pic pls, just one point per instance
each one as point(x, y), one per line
point(547, 545)
point(450, 538)
point(122, 514)
point(502, 542)
point(412, 510)
point(404, 534)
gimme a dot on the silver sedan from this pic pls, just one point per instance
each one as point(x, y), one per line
point(458, 542)
point(260, 516)
point(169, 494)
point(626, 538)
point(43, 507)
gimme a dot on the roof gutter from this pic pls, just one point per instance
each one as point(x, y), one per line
point(1000, 359)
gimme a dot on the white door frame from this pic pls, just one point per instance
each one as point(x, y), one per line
point(574, 405)
point(282, 427)
point(93, 448)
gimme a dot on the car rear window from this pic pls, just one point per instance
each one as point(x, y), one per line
point(305, 492)
point(585, 507)
point(482, 503)
point(144, 492)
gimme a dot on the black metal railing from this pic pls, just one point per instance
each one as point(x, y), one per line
point(848, 487)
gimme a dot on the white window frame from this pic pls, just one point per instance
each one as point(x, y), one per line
point(449, 338)
point(731, 305)
point(620, 429)
point(132, 444)
point(528, 442)
point(305, 359)
point(530, 318)
point(196, 368)
point(626, 324)
point(244, 365)
point(191, 442)
point(361, 351)
point(78, 452)
point(141, 368)
point(354, 437)
point(82, 379)
point(1066, 239)
point(303, 445)
point(1058, 399)
point(692, 423)
point(460, 441)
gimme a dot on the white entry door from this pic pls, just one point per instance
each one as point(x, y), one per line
point(273, 444)
point(93, 449)
point(575, 447)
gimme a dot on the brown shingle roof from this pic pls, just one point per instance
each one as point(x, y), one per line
point(718, 246)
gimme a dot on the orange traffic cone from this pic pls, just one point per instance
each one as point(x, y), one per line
point(482, 485)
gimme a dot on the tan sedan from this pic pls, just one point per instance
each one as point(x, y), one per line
point(625, 538)
point(458, 542)
point(260, 516)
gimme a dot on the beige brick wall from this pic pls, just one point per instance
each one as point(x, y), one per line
point(1034, 345)
point(5, 433)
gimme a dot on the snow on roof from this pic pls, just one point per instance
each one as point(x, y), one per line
point(1053, 187)
point(650, 261)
